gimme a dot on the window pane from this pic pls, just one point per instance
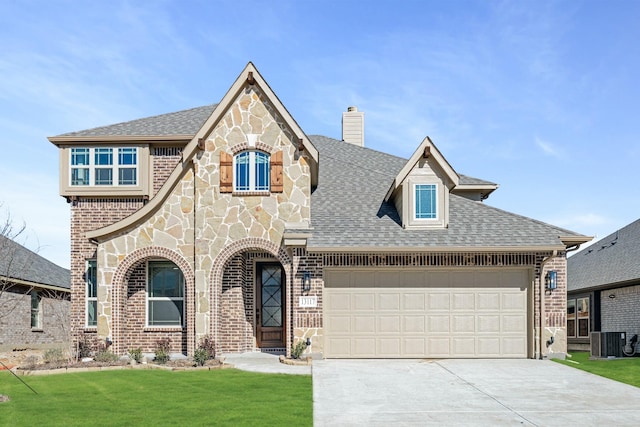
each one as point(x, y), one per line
point(571, 308)
point(571, 328)
point(127, 156)
point(35, 309)
point(79, 176)
point(583, 307)
point(165, 280)
point(90, 279)
point(104, 176)
point(165, 312)
point(583, 328)
point(104, 156)
point(262, 171)
point(79, 156)
point(242, 172)
point(127, 176)
point(92, 310)
point(426, 201)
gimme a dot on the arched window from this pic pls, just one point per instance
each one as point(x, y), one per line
point(165, 294)
point(251, 171)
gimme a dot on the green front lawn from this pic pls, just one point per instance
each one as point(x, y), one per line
point(155, 397)
point(626, 370)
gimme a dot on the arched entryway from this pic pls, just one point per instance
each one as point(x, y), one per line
point(250, 289)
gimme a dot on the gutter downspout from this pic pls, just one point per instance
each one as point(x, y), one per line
point(542, 296)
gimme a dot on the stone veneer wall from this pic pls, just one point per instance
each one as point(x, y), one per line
point(15, 319)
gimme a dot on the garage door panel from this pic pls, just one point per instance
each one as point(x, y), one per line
point(463, 301)
point(413, 301)
point(414, 325)
point(389, 324)
point(465, 324)
point(439, 346)
point(415, 347)
point(488, 324)
point(464, 346)
point(364, 325)
point(488, 301)
point(516, 323)
point(411, 313)
point(438, 324)
point(364, 301)
point(439, 301)
point(389, 301)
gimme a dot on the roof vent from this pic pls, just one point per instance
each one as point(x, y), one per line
point(353, 126)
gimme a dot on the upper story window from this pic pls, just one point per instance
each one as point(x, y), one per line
point(426, 201)
point(251, 171)
point(36, 310)
point(104, 166)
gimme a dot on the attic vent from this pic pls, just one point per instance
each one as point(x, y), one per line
point(353, 126)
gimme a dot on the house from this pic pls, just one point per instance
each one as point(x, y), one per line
point(604, 288)
point(34, 299)
point(227, 221)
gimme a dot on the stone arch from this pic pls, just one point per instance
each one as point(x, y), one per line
point(120, 279)
point(217, 273)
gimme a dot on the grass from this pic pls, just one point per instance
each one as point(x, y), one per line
point(626, 370)
point(159, 398)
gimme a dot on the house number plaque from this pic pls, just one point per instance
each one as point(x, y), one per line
point(308, 301)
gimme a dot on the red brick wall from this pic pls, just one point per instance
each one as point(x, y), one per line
point(164, 161)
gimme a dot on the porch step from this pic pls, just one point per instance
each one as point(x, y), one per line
point(276, 350)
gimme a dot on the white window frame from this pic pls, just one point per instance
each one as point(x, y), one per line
point(252, 172)
point(149, 299)
point(115, 166)
point(91, 300)
point(37, 310)
point(414, 210)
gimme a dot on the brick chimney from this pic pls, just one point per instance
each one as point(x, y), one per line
point(353, 126)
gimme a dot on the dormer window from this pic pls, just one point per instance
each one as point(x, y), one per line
point(426, 201)
point(251, 171)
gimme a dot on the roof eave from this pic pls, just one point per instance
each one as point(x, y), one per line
point(433, 249)
point(111, 139)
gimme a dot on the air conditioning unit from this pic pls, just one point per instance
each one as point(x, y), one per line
point(607, 344)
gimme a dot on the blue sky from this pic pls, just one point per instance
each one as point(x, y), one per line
point(541, 97)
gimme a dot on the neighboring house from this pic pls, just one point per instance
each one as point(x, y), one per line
point(34, 299)
point(604, 287)
point(229, 221)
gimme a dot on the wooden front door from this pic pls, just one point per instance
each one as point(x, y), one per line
point(270, 305)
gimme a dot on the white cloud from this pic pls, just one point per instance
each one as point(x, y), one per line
point(548, 148)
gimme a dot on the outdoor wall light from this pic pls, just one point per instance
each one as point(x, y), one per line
point(612, 296)
point(551, 280)
point(306, 281)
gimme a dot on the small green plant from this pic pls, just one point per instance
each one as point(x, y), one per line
point(298, 349)
point(207, 343)
point(163, 350)
point(136, 354)
point(200, 356)
point(54, 355)
point(106, 356)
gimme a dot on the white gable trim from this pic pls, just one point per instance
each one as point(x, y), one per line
point(426, 145)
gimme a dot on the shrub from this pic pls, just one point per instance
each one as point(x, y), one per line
point(136, 354)
point(298, 349)
point(54, 355)
point(86, 345)
point(200, 356)
point(208, 344)
point(106, 356)
point(163, 350)
point(31, 361)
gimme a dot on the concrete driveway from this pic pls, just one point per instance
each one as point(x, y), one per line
point(467, 392)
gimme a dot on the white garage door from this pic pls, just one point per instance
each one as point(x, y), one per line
point(435, 314)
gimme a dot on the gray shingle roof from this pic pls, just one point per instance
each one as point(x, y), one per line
point(186, 122)
point(612, 260)
point(348, 209)
point(18, 262)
